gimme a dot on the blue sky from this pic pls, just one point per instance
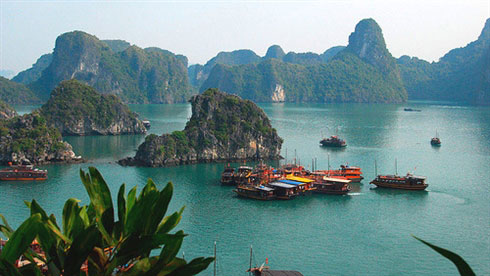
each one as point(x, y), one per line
point(201, 29)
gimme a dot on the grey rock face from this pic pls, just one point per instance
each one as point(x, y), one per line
point(222, 128)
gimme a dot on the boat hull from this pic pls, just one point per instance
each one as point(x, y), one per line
point(253, 195)
point(400, 186)
point(22, 178)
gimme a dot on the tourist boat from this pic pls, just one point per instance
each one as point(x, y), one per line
point(408, 182)
point(22, 172)
point(284, 190)
point(228, 176)
point(435, 141)
point(411, 109)
point(333, 186)
point(349, 172)
point(255, 192)
point(305, 185)
point(333, 141)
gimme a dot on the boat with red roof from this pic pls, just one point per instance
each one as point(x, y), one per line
point(22, 172)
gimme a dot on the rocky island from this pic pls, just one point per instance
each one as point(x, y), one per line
point(75, 108)
point(6, 112)
point(223, 127)
point(28, 139)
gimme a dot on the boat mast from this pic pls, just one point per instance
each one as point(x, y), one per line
point(250, 269)
point(396, 167)
point(214, 258)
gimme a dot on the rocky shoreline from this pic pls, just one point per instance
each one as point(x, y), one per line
point(223, 128)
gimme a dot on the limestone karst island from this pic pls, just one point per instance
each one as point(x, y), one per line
point(244, 138)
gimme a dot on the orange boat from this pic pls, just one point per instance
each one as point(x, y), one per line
point(22, 172)
point(354, 174)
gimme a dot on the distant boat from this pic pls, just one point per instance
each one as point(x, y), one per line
point(333, 141)
point(146, 123)
point(255, 192)
point(333, 186)
point(408, 182)
point(411, 109)
point(22, 172)
point(435, 141)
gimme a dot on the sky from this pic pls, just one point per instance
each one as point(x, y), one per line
point(201, 29)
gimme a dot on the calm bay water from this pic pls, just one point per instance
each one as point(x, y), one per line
point(365, 233)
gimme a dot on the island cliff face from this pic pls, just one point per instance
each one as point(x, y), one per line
point(364, 71)
point(77, 109)
point(114, 67)
point(223, 127)
point(27, 139)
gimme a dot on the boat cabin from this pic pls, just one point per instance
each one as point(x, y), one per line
point(284, 190)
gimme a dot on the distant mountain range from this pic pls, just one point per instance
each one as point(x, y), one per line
point(362, 71)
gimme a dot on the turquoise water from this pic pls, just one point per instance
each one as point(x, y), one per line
point(365, 233)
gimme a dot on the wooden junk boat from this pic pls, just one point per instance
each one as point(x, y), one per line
point(284, 190)
point(22, 172)
point(408, 182)
point(351, 173)
point(232, 176)
point(435, 141)
point(332, 186)
point(333, 141)
point(255, 192)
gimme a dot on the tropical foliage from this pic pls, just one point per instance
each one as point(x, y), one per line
point(463, 267)
point(94, 239)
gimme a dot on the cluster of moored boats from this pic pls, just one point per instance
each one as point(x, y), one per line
point(289, 181)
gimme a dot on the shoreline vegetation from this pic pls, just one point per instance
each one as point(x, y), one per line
point(223, 128)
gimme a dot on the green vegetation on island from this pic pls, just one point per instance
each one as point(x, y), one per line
point(223, 127)
point(364, 71)
point(16, 93)
point(28, 139)
point(93, 240)
point(462, 75)
point(135, 75)
point(77, 109)
point(6, 111)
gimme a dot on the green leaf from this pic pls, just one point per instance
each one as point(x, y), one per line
point(193, 267)
point(5, 228)
point(6, 268)
point(170, 222)
point(82, 246)
point(121, 204)
point(463, 267)
point(100, 199)
point(159, 208)
point(21, 239)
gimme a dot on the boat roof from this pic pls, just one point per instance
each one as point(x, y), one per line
point(296, 183)
point(264, 188)
point(245, 168)
point(282, 185)
point(332, 179)
point(299, 179)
